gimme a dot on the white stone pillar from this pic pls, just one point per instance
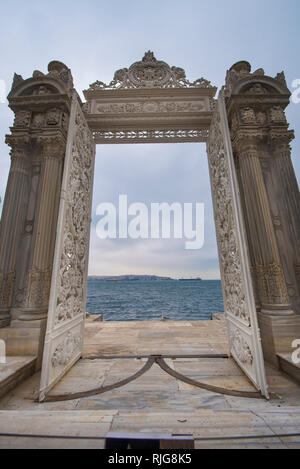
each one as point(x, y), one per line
point(288, 199)
point(39, 274)
point(12, 222)
point(268, 268)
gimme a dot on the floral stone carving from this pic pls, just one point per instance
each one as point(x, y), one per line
point(240, 347)
point(229, 251)
point(66, 349)
point(6, 287)
point(74, 256)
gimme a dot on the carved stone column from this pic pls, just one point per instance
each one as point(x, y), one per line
point(39, 274)
point(268, 268)
point(287, 222)
point(270, 197)
point(26, 242)
point(41, 105)
point(12, 220)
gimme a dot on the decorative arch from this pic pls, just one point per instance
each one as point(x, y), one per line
point(45, 221)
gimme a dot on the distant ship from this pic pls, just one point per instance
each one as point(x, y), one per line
point(189, 279)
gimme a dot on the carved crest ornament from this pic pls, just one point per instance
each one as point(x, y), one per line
point(150, 73)
point(149, 102)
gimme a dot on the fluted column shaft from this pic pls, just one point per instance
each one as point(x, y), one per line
point(25, 246)
point(289, 207)
point(39, 274)
point(289, 193)
point(13, 214)
point(270, 277)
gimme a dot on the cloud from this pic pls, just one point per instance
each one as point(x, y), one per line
point(153, 173)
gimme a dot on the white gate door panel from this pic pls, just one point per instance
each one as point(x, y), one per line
point(65, 324)
point(243, 331)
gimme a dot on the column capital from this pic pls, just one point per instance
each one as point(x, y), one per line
point(280, 136)
point(17, 142)
point(53, 146)
point(18, 153)
point(247, 139)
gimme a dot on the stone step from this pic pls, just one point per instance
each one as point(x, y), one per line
point(14, 371)
point(201, 423)
point(54, 423)
point(287, 365)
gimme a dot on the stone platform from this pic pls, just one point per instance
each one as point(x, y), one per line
point(155, 402)
point(155, 337)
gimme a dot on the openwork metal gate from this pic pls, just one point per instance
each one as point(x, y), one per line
point(65, 326)
point(243, 332)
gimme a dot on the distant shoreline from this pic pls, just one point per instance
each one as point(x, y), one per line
point(120, 278)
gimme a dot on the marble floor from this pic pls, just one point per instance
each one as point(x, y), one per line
point(155, 402)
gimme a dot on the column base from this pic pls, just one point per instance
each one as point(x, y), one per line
point(30, 314)
point(277, 310)
point(277, 334)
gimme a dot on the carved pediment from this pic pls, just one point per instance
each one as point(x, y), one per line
point(240, 79)
point(150, 73)
point(57, 80)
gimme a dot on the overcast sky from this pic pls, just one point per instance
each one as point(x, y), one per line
point(95, 38)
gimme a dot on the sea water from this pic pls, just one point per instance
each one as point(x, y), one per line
point(146, 300)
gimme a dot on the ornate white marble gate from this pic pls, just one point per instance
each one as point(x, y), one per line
point(65, 324)
point(149, 102)
point(239, 303)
